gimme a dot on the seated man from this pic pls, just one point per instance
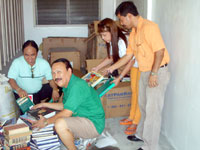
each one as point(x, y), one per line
point(81, 115)
point(27, 72)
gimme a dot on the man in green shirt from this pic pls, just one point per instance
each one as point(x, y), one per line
point(81, 114)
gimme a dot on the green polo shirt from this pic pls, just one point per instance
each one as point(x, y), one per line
point(84, 101)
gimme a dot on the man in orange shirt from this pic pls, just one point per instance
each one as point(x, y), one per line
point(146, 44)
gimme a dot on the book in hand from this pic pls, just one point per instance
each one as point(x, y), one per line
point(93, 78)
point(45, 112)
point(24, 103)
point(103, 89)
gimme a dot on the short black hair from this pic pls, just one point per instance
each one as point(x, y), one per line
point(127, 7)
point(30, 43)
point(65, 61)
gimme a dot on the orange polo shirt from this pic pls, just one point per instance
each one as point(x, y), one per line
point(144, 41)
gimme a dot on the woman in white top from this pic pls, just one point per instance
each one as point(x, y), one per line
point(116, 42)
point(116, 48)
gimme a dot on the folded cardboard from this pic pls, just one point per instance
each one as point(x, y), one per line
point(70, 53)
point(117, 101)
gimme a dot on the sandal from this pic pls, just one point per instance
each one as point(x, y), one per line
point(125, 121)
point(130, 130)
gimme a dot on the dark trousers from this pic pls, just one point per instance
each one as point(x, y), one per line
point(44, 94)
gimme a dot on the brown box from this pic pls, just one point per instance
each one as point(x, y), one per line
point(76, 42)
point(72, 54)
point(117, 101)
point(91, 63)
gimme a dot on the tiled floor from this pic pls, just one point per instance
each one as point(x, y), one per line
point(117, 131)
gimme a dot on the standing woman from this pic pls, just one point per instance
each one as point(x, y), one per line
point(116, 42)
point(116, 48)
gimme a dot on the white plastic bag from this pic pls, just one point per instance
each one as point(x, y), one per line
point(8, 106)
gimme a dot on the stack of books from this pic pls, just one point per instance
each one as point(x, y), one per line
point(17, 136)
point(45, 139)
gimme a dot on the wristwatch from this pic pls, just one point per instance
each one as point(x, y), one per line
point(153, 73)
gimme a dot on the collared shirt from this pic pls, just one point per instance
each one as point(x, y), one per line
point(21, 72)
point(84, 101)
point(144, 42)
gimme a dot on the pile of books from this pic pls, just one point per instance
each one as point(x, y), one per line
point(17, 136)
point(45, 139)
point(93, 79)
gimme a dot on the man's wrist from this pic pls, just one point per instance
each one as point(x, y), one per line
point(18, 89)
point(121, 77)
point(153, 73)
point(56, 89)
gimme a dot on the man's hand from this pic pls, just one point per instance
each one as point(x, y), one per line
point(55, 95)
point(40, 123)
point(40, 105)
point(116, 81)
point(22, 93)
point(153, 81)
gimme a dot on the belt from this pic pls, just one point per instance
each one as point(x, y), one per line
point(165, 65)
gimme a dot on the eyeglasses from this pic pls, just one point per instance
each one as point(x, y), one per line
point(32, 75)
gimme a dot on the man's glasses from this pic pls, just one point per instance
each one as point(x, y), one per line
point(32, 75)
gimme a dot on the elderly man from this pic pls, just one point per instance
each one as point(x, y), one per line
point(27, 72)
point(81, 113)
point(146, 44)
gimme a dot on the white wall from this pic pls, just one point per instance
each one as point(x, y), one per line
point(38, 32)
point(179, 23)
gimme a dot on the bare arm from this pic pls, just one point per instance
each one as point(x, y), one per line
point(104, 63)
point(14, 86)
point(55, 93)
point(124, 72)
point(56, 106)
point(153, 78)
point(121, 62)
point(43, 121)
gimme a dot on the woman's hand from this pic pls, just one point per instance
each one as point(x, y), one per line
point(95, 69)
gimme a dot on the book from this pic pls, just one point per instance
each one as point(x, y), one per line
point(46, 112)
point(41, 138)
point(21, 146)
point(93, 78)
point(15, 129)
point(24, 104)
point(103, 89)
point(14, 136)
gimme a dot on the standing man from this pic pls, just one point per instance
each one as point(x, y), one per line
point(81, 112)
point(146, 44)
point(27, 72)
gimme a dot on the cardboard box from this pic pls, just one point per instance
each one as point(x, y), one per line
point(72, 54)
point(76, 42)
point(91, 63)
point(117, 101)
